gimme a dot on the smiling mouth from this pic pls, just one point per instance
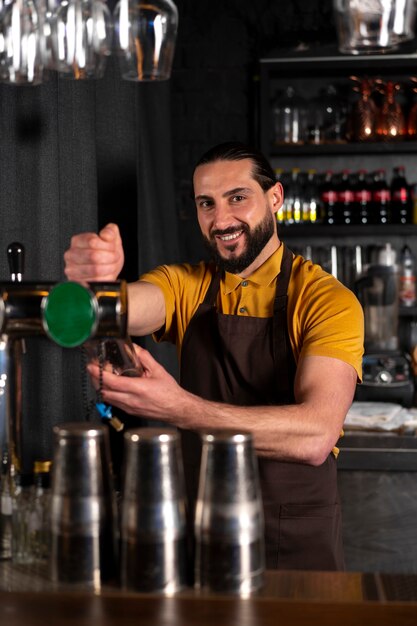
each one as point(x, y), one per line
point(229, 237)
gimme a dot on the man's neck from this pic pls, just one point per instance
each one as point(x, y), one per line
point(271, 247)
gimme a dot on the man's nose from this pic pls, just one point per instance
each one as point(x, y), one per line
point(223, 215)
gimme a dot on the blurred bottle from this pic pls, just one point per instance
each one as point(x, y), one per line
point(414, 203)
point(362, 198)
point(344, 199)
point(328, 197)
point(333, 116)
point(381, 198)
point(401, 202)
point(292, 198)
point(412, 114)
point(311, 201)
point(407, 279)
point(364, 111)
point(390, 119)
point(39, 508)
point(289, 117)
point(21, 552)
point(5, 510)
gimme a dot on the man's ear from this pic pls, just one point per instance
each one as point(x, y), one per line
point(276, 197)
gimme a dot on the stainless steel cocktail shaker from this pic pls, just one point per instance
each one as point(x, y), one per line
point(229, 527)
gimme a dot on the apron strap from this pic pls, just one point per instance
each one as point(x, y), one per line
point(283, 355)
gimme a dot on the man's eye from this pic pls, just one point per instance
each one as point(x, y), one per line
point(205, 204)
point(238, 198)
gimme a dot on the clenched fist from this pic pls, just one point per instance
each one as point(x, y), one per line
point(93, 257)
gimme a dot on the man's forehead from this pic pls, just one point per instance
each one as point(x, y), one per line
point(219, 170)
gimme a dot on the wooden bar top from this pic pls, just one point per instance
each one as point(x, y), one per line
point(290, 598)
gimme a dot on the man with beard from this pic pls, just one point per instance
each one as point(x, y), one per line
point(267, 342)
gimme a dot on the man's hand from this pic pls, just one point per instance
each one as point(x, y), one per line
point(155, 395)
point(93, 257)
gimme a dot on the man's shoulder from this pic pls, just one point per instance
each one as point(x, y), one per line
point(309, 278)
point(180, 276)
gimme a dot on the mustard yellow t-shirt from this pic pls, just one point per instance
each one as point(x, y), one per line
point(324, 317)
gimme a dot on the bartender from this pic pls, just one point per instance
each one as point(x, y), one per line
point(267, 342)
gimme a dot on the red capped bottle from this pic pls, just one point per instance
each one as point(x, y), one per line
point(344, 202)
point(381, 199)
point(362, 198)
point(328, 197)
point(401, 204)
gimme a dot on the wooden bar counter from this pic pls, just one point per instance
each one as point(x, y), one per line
point(290, 598)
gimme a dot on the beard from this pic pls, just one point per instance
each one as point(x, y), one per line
point(256, 240)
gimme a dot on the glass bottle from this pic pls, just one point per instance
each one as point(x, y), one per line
point(289, 116)
point(364, 113)
point(328, 197)
point(401, 204)
point(5, 509)
point(390, 119)
point(311, 201)
point(292, 198)
point(407, 278)
point(21, 552)
point(39, 513)
point(344, 202)
point(412, 115)
point(333, 115)
point(362, 198)
point(381, 199)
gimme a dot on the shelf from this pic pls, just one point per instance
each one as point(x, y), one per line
point(325, 230)
point(385, 147)
point(326, 59)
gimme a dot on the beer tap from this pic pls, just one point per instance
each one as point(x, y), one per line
point(16, 349)
point(67, 313)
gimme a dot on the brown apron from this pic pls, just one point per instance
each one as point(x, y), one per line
point(248, 361)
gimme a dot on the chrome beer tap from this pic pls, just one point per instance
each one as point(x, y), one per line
point(67, 313)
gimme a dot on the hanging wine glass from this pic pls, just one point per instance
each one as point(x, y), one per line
point(145, 35)
point(81, 36)
point(21, 60)
point(46, 12)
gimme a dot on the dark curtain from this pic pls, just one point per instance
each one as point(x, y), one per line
point(73, 156)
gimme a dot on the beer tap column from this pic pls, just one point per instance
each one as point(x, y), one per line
point(15, 347)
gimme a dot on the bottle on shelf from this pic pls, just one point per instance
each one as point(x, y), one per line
point(344, 199)
point(311, 201)
point(6, 493)
point(362, 198)
point(414, 203)
point(289, 113)
point(401, 203)
point(328, 196)
point(381, 198)
point(390, 120)
point(292, 198)
point(333, 115)
point(39, 512)
point(364, 112)
point(21, 552)
point(407, 279)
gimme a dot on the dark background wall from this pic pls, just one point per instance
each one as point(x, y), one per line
point(215, 77)
point(76, 154)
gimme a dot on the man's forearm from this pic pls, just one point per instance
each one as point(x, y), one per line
point(289, 432)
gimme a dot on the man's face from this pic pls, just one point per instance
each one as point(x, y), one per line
point(236, 216)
